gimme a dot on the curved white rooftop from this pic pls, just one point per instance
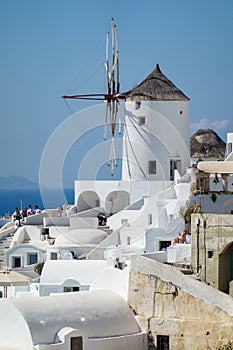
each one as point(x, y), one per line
point(80, 236)
point(38, 320)
point(82, 271)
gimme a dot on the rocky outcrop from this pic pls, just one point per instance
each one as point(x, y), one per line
point(205, 143)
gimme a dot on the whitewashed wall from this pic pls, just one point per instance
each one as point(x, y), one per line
point(165, 135)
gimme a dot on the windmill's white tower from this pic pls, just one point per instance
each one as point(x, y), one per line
point(156, 135)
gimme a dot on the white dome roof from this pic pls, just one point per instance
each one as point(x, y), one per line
point(39, 320)
point(82, 271)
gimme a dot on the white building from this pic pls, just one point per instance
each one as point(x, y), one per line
point(156, 137)
point(155, 147)
point(85, 320)
point(143, 207)
point(69, 275)
point(213, 183)
point(229, 149)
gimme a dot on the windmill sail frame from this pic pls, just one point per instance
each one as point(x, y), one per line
point(113, 96)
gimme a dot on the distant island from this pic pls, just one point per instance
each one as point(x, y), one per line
point(17, 183)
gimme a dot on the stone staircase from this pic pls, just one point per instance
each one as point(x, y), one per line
point(4, 244)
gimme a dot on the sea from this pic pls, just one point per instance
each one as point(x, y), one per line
point(10, 199)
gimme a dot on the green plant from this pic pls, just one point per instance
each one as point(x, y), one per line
point(213, 197)
point(228, 346)
point(39, 267)
point(186, 211)
point(215, 180)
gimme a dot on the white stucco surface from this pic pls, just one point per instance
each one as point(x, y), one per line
point(150, 141)
point(38, 320)
point(113, 279)
point(216, 167)
point(80, 236)
point(83, 271)
point(14, 331)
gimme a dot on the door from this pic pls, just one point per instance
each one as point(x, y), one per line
point(16, 261)
point(172, 169)
point(76, 343)
point(162, 342)
point(32, 258)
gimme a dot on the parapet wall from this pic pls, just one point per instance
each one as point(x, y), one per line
point(190, 314)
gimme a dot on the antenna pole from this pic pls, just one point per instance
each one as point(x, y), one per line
point(21, 201)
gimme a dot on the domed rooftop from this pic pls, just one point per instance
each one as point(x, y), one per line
point(36, 320)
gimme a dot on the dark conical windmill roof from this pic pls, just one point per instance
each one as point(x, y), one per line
point(156, 87)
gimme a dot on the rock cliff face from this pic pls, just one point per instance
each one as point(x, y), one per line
point(205, 143)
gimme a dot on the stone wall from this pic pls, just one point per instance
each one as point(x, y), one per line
point(212, 249)
point(167, 303)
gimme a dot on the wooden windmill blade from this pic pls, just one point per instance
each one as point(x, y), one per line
point(113, 96)
point(100, 97)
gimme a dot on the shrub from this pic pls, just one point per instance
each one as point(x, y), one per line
point(213, 197)
point(186, 212)
point(228, 346)
point(39, 267)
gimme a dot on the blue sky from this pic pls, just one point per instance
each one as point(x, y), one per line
point(54, 47)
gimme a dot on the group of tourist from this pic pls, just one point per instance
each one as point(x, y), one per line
point(63, 210)
point(20, 216)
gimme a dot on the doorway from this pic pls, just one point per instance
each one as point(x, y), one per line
point(225, 272)
point(76, 343)
point(175, 164)
point(162, 342)
point(16, 261)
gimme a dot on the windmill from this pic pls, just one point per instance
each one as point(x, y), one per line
point(113, 96)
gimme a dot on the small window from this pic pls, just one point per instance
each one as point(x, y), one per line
point(53, 256)
point(152, 166)
point(141, 120)
point(181, 112)
point(162, 342)
point(149, 219)
point(70, 289)
point(210, 254)
point(229, 148)
point(138, 104)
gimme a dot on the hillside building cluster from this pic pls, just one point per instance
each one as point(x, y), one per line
point(124, 284)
